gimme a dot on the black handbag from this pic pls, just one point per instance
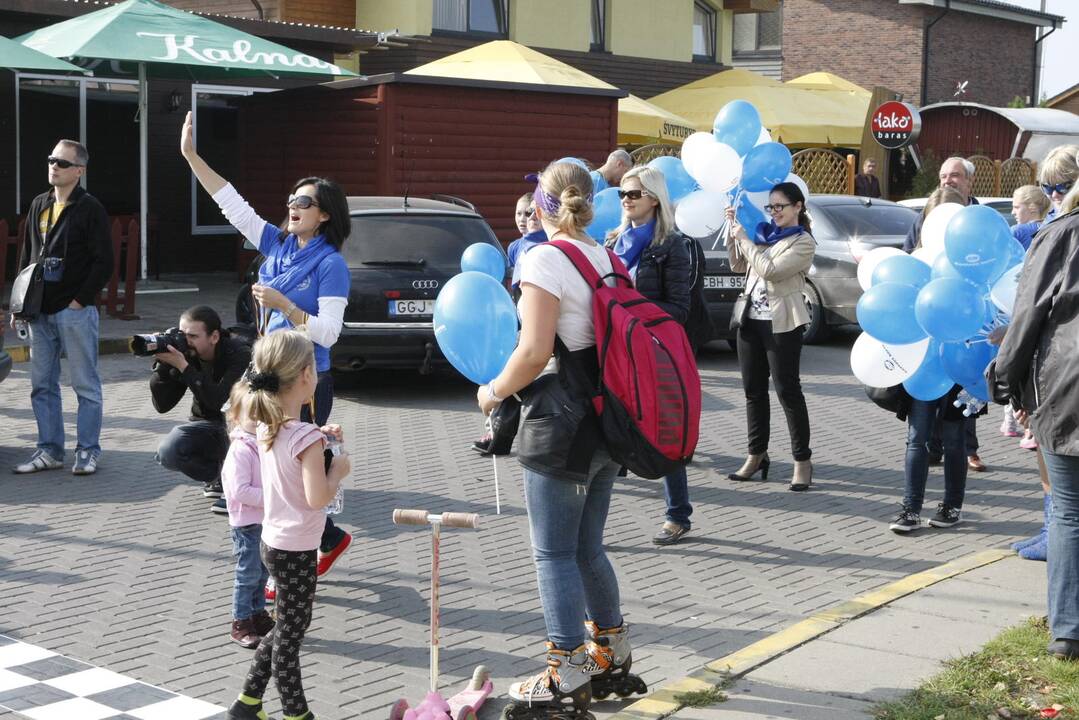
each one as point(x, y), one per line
point(740, 311)
point(28, 291)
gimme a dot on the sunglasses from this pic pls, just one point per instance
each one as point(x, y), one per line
point(61, 163)
point(778, 207)
point(301, 202)
point(1061, 188)
point(631, 194)
point(530, 212)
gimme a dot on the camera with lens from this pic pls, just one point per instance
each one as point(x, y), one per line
point(146, 345)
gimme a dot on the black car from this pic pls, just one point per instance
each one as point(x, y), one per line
point(400, 254)
point(846, 227)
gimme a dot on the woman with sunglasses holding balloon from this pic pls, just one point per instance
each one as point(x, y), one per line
point(657, 258)
point(304, 280)
point(775, 257)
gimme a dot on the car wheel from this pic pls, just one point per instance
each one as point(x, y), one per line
point(817, 330)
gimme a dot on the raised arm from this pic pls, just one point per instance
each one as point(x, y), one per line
point(209, 179)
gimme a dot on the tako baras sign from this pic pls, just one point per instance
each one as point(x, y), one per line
point(895, 124)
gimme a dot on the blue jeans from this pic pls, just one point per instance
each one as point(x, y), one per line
point(196, 448)
point(920, 423)
point(75, 333)
point(249, 588)
point(1063, 553)
point(576, 580)
point(676, 492)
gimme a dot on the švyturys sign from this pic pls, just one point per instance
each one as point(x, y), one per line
point(895, 124)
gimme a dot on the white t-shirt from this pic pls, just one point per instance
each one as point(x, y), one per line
point(550, 269)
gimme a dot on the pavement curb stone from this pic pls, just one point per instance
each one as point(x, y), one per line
point(663, 702)
point(106, 346)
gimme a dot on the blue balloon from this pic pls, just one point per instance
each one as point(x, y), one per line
point(950, 309)
point(886, 313)
point(484, 258)
point(978, 243)
point(901, 269)
point(749, 216)
point(738, 124)
point(475, 325)
point(979, 389)
point(965, 363)
point(930, 381)
point(1017, 253)
point(765, 166)
point(679, 182)
point(943, 268)
point(574, 160)
point(606, 214)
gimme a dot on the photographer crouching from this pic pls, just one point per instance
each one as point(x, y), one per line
point(201, 357)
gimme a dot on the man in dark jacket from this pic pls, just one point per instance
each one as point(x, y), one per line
point(68, 232)
point(1037, 371)
point(866, 182)
point(213, 363)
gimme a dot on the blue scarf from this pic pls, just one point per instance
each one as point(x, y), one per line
point(769, 233)
point(286, 269)
point(632, 241)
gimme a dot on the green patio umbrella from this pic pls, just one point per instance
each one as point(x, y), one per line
point(167, 42)
point(17, 56)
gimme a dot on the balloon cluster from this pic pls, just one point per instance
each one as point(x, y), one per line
point(926, 317)
point(475, 319)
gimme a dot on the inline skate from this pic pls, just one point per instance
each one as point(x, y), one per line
point(561, 692)
point(609, 660)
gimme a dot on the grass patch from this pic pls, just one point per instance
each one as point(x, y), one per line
point(704, 698)
point(1011, 677)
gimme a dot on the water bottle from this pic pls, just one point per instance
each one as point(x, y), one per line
point(970, 404)
point(333, 449)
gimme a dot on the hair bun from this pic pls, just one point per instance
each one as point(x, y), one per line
point(256, 381)
point(573, 200)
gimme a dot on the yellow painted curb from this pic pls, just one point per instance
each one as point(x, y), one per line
point(108, 346)
point(664, 702)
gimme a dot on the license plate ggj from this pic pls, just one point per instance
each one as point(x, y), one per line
point(724, 282)
point(411, 307)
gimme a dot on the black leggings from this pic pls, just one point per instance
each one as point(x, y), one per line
point(331, 534)
point(279, 652)
point(760, 353)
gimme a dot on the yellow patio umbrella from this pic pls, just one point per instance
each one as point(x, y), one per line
point(507, 61)
point(827, 81)
point(642, 123)
point(794, 116)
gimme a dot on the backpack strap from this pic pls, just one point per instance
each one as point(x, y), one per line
point(586, 269)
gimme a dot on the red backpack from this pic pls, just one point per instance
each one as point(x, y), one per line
point(649, 394)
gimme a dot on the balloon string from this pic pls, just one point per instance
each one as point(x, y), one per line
point(488, 425)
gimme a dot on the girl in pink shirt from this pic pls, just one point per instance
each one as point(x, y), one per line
point(296, 485)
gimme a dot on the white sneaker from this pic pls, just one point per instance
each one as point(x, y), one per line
point(39, 461)
point(85, 463)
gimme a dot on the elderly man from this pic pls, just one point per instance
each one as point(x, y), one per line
point(866, 182)
point(957, 173)
point(610, 173)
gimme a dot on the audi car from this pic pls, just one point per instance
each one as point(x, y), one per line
point(846, 227)
point(401, 253)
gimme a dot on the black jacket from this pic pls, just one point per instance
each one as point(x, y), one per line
point(672, 276)
point(1038, 366)
point(84, 225)
point(210, 387)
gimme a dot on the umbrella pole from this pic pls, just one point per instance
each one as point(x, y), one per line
point(143, 168)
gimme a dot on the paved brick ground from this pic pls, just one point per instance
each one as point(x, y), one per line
point(130, 571)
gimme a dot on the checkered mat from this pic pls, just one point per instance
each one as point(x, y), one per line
point(39, 684)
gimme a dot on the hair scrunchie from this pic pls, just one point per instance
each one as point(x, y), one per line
point(267, 381)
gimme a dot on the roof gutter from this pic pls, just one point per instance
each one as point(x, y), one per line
point(925, 50)
point(1037, 66)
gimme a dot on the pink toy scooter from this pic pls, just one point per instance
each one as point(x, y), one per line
point(465, 704)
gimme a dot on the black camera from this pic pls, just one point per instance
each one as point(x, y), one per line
point(146, 345)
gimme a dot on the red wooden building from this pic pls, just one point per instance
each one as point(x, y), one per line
point(999, 133)
point(396, 133)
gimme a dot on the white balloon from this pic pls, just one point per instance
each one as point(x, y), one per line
point(881, 365)
point(799, 182)
point(927, 255)
point(701, 213)
point(935, 222)
point(694, 151)
point(719, 168)
point(869, 263)
point(764, 137)
point(758, 199)
point(1003, 291)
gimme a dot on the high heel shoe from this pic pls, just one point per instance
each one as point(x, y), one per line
point(750, 467)
point(803, 475)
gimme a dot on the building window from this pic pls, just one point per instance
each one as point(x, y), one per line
point(758, 33)
point(704, 32)
point(215, 117)
point(475, 17)
point(599, 24)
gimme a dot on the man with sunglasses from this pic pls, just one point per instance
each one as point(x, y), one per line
point(68, 232)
